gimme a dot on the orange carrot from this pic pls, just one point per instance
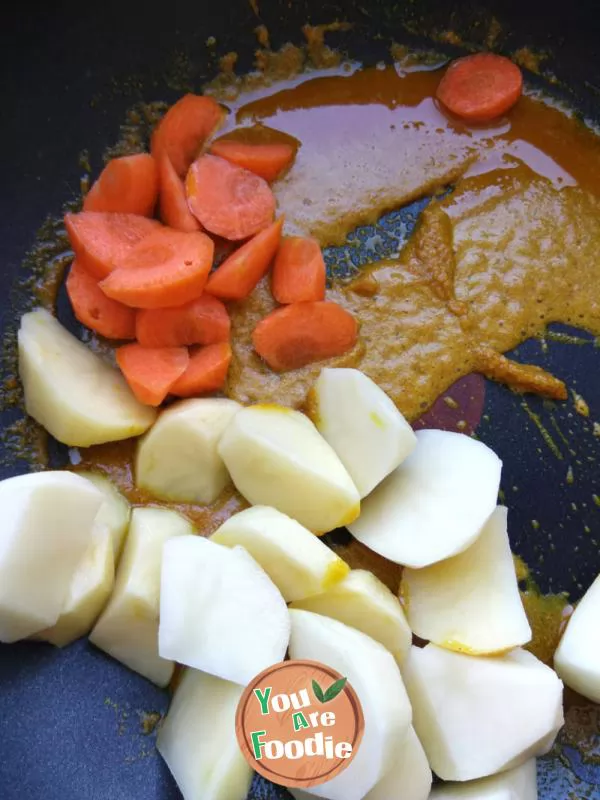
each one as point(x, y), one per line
point(241, 271)
point(151, 371)
point(299, 334)
point(184, 129)
point(101, 240)
point(203, 321)
point(95, 310)
point(128, 185)
point(480, 87)
point(228, 200)
point(174, 210)
point(206, 371)
point(268, 161)
point(299, 271)
point(167, 268)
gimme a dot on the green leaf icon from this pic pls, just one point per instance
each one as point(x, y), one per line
point(318, 692)
point(334, 690)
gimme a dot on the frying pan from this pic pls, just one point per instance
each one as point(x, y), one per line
point(75, 725)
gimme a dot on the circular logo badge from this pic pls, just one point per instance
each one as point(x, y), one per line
point(299, 723)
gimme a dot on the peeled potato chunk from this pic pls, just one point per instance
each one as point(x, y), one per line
point(375, 677)
point(219, 611)
point(47, 520)
point(477, 716)
point(276, 457)
point(298, 563)
point(197, 739)
point(409, 777)
point(362, 424)
point(515, 784)
point(434, 504)
point(470, 602)
point(577, 659)
point(78, 398)
point(115, 511)
point(363, 602)
point(128, 627)
point(88, 593)
point(177, 460)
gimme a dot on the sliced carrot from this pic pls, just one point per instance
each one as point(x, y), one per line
point(203, 321)
point(268, 161)
point(168, 268)
point(299, 271)
point(151, 371)
point(301, 333)
point(94, 309)
point(242, 270)
point(480, 87)
point(206, 371)
point(101, 240)
point(128, 185)
point(174, 210)
point(184, 129)
point(228, 200)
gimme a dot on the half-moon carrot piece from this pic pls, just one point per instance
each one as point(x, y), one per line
point(101, 240)
point(94, 309)
point(151, 371)
point(173, 205)
point(242, 270)
point(184, 129)
point(228, 200)
point(203, 321)
point(167, 268)
point(301, 333)
point(206, 371)
point(267, 160)
point(299, 271)
point(481, 87)
point(127, 185)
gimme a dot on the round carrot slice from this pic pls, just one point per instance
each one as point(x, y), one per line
point(203, 321)
point(101, 240)
point(126, 185)
point(95, 310)
point(302, 333)
point(184, 128)
point(299, 273)
point(481, 87)
point(228, 200)
point(167, 268)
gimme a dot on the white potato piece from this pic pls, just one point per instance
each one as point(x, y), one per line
point(515, 784)
point(128, 627)
point(276, 457)
point(375, 677)
point(78, 398)
point(297, 562)
point(362, 424)
point(197, 739)
point(434, 504)
point(478, 716)
point(177, 460)
point(470, 602)
point(115, 511)
point(47, 520)
point(219, 611)
point(363, 602)
point(88, 593)
point(577, 658)
point(409, 777)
